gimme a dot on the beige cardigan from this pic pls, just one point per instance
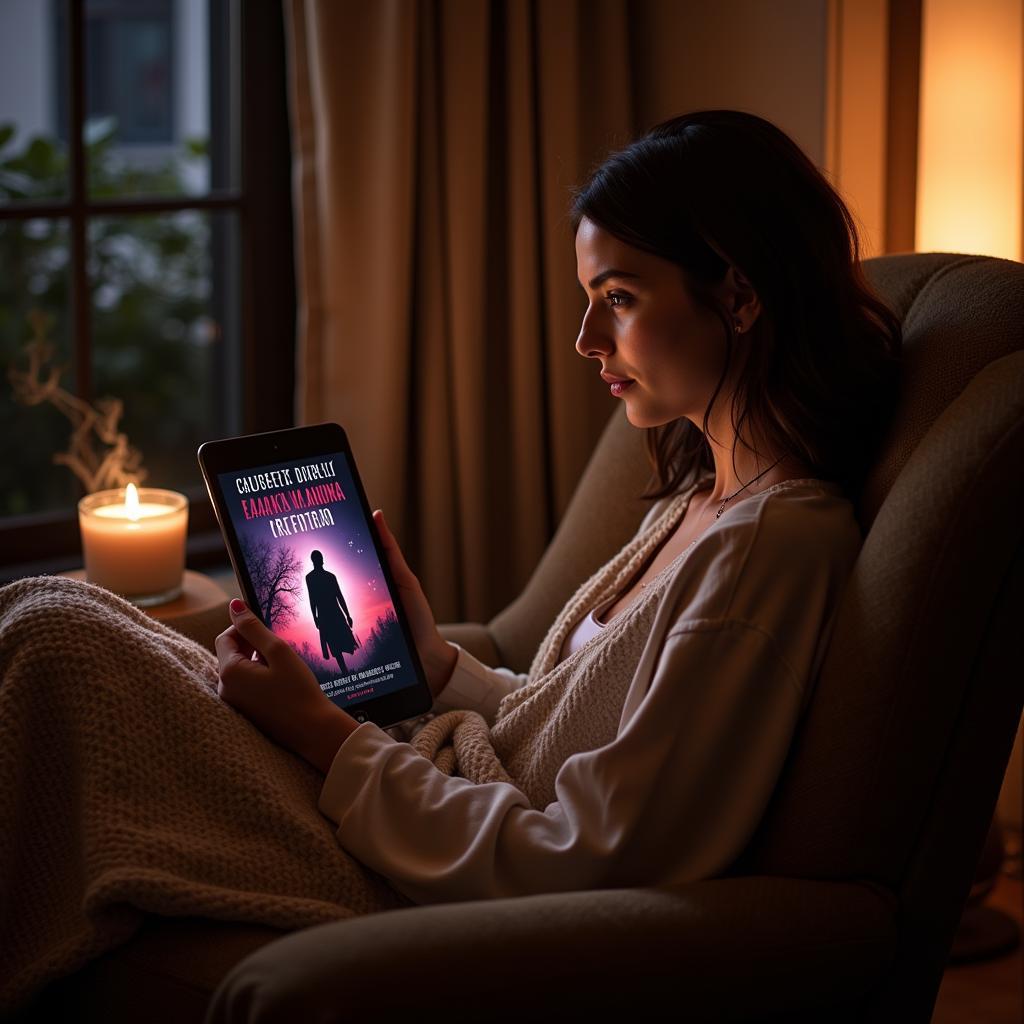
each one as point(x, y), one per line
point(647, 756)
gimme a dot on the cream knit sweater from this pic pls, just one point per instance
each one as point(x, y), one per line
point(645, 757)
point(576, 704)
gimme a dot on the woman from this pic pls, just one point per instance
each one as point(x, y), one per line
point(724, 289)
point(727, 309)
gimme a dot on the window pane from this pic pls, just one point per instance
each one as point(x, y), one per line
point(33, 160)
point(35, 283)
point(152, 105)
point(165, 333)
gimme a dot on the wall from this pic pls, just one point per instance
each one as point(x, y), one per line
point(766, 58)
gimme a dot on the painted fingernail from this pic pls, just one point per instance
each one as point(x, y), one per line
point(237, 606)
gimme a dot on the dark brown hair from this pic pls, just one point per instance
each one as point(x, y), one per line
point(718, 187)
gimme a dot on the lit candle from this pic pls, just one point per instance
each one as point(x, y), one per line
point(133, 542)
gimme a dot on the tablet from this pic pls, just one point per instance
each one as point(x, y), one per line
point(298, 531)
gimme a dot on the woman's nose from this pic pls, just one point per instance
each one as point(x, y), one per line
point(591, 339)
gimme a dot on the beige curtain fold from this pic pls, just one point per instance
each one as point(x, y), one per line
point(435, 143)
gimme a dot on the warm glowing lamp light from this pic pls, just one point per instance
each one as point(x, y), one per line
point(970, 145)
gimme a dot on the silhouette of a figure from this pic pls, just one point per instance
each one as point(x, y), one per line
point(330, 613)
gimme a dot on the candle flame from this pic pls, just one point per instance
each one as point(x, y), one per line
point(131, 501)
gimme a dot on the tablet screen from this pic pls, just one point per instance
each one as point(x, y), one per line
point(308, 550)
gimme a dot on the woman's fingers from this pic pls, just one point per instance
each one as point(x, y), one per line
point(232, 642)
point(281, 696)
point(404, 576)
point(234, 652)
point(417, 607)
point(254, 632)
point(425, 633)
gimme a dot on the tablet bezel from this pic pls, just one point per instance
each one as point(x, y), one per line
point(251, 452)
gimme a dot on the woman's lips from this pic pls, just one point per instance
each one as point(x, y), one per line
point(619, 386)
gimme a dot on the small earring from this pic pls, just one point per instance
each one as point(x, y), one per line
point(739, 328)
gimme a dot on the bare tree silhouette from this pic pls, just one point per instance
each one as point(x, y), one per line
point(275, 570)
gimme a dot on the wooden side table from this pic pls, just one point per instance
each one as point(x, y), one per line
point(201, 612)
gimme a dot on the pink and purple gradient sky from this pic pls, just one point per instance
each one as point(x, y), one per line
point(347, 548)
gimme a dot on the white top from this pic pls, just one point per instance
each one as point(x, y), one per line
point(587, 628)
point(705, 727)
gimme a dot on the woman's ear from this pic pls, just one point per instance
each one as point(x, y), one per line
point(742, 300)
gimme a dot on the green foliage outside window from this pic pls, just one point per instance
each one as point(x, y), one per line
point(154, 338)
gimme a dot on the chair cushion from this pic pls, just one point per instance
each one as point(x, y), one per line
point(795, 944)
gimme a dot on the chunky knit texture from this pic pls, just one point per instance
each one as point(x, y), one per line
point(128, 786)
point(575, 704)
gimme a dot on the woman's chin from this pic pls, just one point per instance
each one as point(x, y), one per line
point(637, 414)
point(642, 418)
point(639, 420)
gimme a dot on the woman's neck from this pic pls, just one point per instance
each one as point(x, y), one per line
point(747, 482)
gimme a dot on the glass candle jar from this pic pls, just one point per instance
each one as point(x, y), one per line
point(133, 542)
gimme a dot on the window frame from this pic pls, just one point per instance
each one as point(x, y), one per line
point(48, 542)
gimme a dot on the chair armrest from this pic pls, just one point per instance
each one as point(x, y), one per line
point(730, 948)
point(476, 638)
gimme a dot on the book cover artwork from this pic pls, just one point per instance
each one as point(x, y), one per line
point(312, 563)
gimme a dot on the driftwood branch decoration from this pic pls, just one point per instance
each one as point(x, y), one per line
point(120, 464)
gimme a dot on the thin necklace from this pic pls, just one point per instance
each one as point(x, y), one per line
point(717, 514)
point(746, 485)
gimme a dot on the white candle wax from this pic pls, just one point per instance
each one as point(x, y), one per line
point(133, 541)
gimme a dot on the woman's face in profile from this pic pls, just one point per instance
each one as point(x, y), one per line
point(641, 324)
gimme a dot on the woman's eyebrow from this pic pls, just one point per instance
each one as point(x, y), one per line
point(611, 272)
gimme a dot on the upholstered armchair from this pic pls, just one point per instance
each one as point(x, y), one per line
point(844, 905)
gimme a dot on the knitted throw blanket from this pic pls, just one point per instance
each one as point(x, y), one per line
point(128, 786)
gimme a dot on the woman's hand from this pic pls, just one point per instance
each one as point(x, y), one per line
point(438, 656)
point(278, 693)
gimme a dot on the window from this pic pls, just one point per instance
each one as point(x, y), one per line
point(129, 67)
point(145, 234)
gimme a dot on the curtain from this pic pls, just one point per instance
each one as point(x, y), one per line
point(434, 145)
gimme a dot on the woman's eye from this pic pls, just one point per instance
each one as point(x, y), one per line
point(618, 299)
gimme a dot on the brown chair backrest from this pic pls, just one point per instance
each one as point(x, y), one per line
point(943, 519)
point(896, 766)
point(895, 772)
